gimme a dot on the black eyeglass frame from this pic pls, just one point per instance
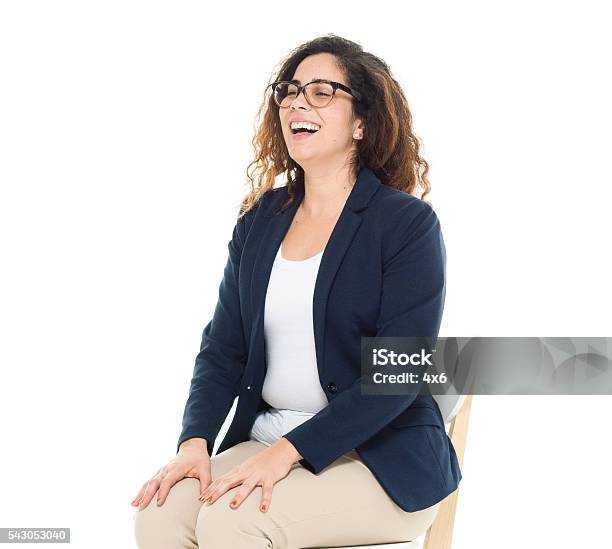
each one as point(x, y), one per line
point(335, 86)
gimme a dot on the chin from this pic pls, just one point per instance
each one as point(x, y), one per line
point(304, 159)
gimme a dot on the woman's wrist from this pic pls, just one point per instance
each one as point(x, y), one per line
point(200, 443)
point(292, 453)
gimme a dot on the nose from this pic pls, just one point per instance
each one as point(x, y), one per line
point(300, 101)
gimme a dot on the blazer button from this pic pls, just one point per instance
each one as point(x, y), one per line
point(331, 387)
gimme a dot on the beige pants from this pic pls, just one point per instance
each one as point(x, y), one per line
point(341, 506)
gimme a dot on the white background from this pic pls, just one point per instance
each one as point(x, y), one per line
point(125, 131)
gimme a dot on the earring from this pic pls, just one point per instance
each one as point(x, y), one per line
point(357, 136)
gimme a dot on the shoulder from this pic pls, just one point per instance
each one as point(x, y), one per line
point(408, 227)
point(263, 204)
point(400, 214)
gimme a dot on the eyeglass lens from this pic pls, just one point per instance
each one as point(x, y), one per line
point(318, 94)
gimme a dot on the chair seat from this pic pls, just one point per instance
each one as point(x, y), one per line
point(400, 545)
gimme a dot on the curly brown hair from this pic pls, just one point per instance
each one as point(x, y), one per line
point(389, 146)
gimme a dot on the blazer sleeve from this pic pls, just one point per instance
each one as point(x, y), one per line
point(412, 301)
point(220, 363)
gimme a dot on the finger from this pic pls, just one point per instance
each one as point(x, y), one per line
point(247, 487)
point(209, 490)
point(266, 496)
point(223, 486)
point(164, 487)
point(205, 479)
point(137, 499)
point(151, 488)
point(142, 492)
point(214, 485)
point(139, 495)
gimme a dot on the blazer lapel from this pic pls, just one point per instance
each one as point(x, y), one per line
point(277, 226)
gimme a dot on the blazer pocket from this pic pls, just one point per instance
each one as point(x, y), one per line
point(416, 416)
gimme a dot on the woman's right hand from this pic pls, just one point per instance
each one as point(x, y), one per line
point(192, 460)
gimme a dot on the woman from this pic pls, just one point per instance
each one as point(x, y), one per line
point(342, 251)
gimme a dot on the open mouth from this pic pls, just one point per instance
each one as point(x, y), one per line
point(303, 130)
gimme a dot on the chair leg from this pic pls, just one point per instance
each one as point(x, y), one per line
point(440, 533)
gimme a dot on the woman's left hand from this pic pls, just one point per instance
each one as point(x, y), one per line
point(263, 469)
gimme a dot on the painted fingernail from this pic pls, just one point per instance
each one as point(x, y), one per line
point(233, 503)
point(264, 507)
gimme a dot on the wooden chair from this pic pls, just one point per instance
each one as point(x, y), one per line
point(456, 413)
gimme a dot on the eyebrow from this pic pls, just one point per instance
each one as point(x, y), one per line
point(313, 80)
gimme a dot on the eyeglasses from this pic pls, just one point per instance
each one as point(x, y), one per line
point(318, 93)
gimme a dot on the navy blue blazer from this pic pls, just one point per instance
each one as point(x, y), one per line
point(382, 273)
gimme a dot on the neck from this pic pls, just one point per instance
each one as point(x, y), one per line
point(325, 190)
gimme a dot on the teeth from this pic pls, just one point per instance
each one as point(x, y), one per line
point(306, 125)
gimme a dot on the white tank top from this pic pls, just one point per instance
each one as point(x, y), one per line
point(291, 385)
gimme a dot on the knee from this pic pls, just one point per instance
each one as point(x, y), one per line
point(150, 524)
point(168, 525)
point(218, 525)
point(155, 527)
